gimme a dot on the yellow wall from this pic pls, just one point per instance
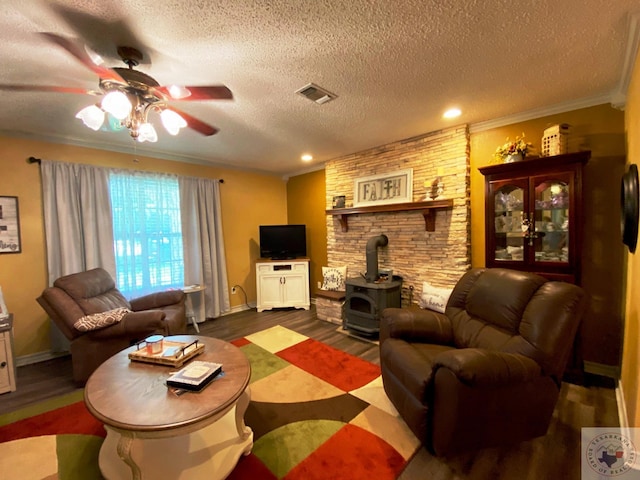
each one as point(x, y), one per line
point(629, 380)
point(306, 205)
point(601, 130)
point(248, 200)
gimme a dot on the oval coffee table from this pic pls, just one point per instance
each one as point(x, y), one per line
point(153, 433)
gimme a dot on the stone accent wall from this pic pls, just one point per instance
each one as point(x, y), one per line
point(329, 310)
point(439, 257)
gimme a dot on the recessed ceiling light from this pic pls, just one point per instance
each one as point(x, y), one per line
point(452, 113)
point(306, 157)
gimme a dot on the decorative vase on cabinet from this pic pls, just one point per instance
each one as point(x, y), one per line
point(514, 157)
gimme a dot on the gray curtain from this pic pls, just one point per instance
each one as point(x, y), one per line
point(77, 220)
point(203, 243)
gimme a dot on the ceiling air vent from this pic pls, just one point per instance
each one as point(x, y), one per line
point(316, 94)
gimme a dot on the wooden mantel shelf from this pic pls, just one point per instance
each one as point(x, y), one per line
point(428, 211)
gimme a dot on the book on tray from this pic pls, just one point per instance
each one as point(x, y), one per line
point(195, 376)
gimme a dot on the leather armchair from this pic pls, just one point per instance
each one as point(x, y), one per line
point(94, 291)
point(488, 371)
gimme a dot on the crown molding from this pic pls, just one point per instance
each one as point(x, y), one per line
point(314, 168)
point(540, 112)
point(137, 152)
point(631, 53)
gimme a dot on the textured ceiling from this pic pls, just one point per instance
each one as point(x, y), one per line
point(395, 66)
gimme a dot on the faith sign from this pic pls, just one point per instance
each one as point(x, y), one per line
point(392, 187)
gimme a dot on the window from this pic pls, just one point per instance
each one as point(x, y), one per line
point(147, 232)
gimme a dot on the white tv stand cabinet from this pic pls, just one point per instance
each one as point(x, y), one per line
point(282, 283)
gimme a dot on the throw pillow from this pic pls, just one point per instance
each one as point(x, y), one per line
point(333, 278)
point(96, 321)
point(434, 298)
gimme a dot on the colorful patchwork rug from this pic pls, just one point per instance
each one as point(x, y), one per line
point(56, 439)
point(316, 413)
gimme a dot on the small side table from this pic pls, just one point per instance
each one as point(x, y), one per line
point(191, 313)
point(7, 365)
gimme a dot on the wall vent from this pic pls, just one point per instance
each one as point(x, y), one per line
point(316, 94)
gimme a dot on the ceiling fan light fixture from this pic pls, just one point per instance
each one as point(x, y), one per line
point(146, 133)
point(117, 104)
point(92, 116)
point(172, 121)
point(177, 92)
point(129, 94)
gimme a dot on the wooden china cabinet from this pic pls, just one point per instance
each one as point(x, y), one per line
point(533, 215)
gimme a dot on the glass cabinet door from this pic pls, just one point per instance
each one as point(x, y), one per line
point(509, 215)
point(552, 213)
point(533, 215)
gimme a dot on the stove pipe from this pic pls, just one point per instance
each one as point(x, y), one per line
point(372, 256)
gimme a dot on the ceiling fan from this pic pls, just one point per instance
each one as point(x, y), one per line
point(130, 95)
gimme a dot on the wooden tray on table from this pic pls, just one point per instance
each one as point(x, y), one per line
point(174, 354)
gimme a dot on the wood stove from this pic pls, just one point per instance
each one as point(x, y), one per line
point(366, 296)
point(365, 301)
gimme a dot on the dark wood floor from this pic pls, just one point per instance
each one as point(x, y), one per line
point(556, 455)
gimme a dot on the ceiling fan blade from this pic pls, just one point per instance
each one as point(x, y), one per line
point(213, 92)
point(195, 124)
point(81, 54)
point(100, 32)
point(45, 88)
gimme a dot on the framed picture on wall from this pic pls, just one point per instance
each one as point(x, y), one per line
point(9, 225)
point(381, 189)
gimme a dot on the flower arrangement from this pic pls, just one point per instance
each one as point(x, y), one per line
point(518, 146)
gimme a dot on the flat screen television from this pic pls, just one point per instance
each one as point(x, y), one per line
point(283, 241)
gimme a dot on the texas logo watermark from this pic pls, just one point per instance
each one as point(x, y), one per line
point(609, 453)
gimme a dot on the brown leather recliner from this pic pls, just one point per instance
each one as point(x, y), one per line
point(94, 291)
point(488, 371)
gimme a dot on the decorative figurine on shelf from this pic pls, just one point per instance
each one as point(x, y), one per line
point(559, 197)
point(338, 201)
point(435, 189)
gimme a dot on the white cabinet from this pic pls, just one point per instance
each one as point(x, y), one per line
point(282, 283)
point(7, 367)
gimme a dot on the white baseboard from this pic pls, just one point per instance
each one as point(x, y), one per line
point(629, 431)
point(240, 308)
point(23, 360)
point(622, 407)
point(611, 371)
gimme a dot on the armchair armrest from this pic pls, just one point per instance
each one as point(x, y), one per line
point(480, 367)
point(415, 325)
point(134, 325)
point(157, 300)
